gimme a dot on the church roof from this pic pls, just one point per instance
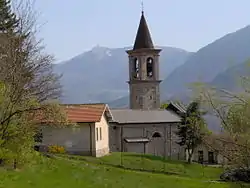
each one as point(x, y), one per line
point(79, 113)
point(144, 116)
point(85, 112)
point(143, 37)
point(178, 107)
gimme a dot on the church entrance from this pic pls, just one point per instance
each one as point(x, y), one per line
point(210, 157)
point(156, 145)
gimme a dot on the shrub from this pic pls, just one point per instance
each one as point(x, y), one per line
point(56, 149)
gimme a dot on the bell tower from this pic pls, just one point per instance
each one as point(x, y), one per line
point(144, 70)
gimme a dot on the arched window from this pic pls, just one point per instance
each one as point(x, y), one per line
point(136, 68)
point(156, 135)
point(150, 63)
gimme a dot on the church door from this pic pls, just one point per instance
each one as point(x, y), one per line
point(156, 145)
point(210, 157)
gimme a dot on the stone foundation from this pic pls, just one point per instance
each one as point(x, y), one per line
point(83, 153)
point(97, 153)
point(102, 152)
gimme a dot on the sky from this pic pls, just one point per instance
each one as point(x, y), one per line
point(71, 27)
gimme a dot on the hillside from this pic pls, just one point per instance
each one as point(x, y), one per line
point(100, 75)
point(208, 62)
point(231, 78)
point(81, 172)
point(122, 102)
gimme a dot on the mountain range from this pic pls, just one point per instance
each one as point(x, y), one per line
point(220, 64)
point(217, 63)
point(100, 75)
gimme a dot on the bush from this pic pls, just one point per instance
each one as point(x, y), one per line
point(56, 149)
point(236, 175)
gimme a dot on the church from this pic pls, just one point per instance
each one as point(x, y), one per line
point(142, 128)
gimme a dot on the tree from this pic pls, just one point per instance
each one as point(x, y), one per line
point(232, 110)
point(28, 87)
point(193, 129)
point(164, 105)
point(8, 20)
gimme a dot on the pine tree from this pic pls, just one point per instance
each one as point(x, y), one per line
point(8, 19)
point(193, 128)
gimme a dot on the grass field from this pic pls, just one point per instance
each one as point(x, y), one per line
point(84, 172)
point(156, 164)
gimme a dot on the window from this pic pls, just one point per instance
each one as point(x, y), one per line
point(136, 68)
point(100, 133)
point(156, 135)
point(150, 67)
point(140, 100)
point(97, 134)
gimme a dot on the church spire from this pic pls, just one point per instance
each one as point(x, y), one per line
point(143, 38)
point(144, 82)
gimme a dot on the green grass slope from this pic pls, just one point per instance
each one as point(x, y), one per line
point(154, 164)
point(80, 172)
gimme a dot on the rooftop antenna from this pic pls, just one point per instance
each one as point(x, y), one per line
point(142, 7)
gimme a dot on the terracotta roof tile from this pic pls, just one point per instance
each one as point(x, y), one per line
point(79, 113)
point(84, 112)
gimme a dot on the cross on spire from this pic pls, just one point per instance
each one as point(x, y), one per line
point(143, 37)
point(142, 7)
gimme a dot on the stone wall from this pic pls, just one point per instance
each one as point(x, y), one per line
point(165, 146)
point(73, 139)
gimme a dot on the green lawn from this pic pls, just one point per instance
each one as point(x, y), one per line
point(156, 164)
point(75, 173)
